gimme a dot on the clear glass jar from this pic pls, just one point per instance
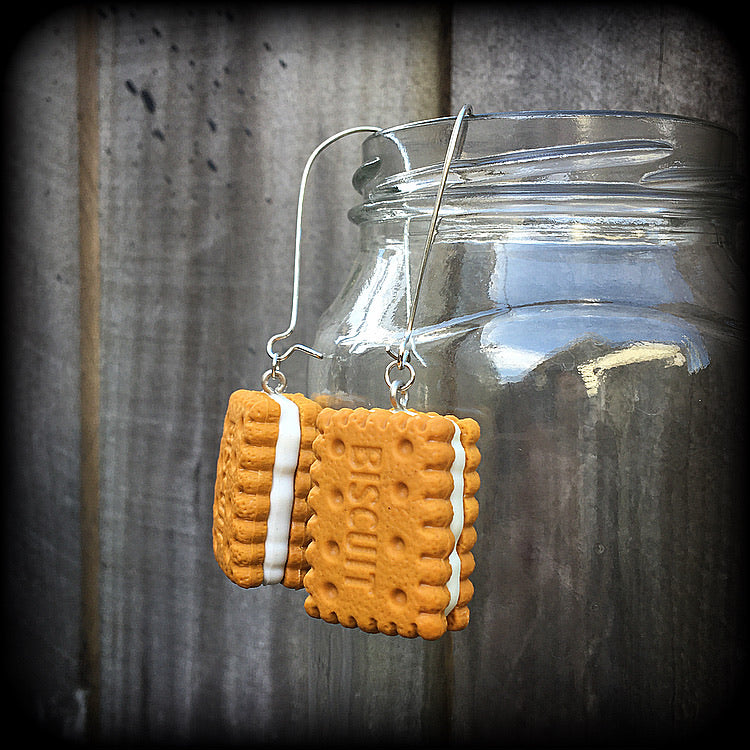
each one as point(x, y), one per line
point(581, 302)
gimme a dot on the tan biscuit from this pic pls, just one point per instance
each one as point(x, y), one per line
point(380, 529)
point(296, 564)
point(242, 494)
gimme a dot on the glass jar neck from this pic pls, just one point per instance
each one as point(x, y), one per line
point(594, 167)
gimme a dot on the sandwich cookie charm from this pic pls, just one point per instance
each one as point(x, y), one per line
point(393, 506)
point(260, 508)
point(392, 526)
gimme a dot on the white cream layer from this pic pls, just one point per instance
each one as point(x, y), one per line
point(282, 490)
point(457, 524)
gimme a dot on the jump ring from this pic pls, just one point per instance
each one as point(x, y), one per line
point(400, 366)
point(273, 374)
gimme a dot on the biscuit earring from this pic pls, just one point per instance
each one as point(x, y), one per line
point(260, 508)
point(393, 504)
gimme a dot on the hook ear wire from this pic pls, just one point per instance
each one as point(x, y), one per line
point(280, 357)
point(455, 146)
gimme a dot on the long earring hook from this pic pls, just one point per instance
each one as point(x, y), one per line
point(455, 145)
point(276, 357)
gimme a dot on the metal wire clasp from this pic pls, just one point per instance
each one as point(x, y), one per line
point(274, 373)
point(399, 388)
point(401, 359)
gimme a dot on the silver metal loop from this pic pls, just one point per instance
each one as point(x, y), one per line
point(297, 242)
point(406, 365)
point(273, 374)
point(401, 356)
point(455, 145)
point(280, 357)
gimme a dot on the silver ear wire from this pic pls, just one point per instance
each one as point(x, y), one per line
point(455, 145)
point(277, 357)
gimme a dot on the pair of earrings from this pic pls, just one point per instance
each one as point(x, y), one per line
point(371, 510)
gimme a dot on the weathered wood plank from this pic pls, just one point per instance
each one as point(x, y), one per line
point(207, 117)
point(87, 80)
point(41, 538)
point(540, 57)
point(591, 618)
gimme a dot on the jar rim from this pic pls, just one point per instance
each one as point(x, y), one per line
point(555, 152)
point(551, 114)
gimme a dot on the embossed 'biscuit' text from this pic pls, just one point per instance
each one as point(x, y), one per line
point(380, 524)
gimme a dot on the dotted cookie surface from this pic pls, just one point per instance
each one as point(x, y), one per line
point(381, 519)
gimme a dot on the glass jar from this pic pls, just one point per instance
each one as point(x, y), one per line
point(581, 302)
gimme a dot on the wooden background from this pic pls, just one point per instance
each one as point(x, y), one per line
point(152, 157)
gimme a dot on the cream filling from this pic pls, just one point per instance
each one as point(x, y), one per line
point(282, 490)
point(457, 524)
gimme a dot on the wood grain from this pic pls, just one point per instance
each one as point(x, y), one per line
point(535, 56)
point(41, 563)
point(90, 299)
point(152, 183)
point(207, 117)
point(597, 602)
